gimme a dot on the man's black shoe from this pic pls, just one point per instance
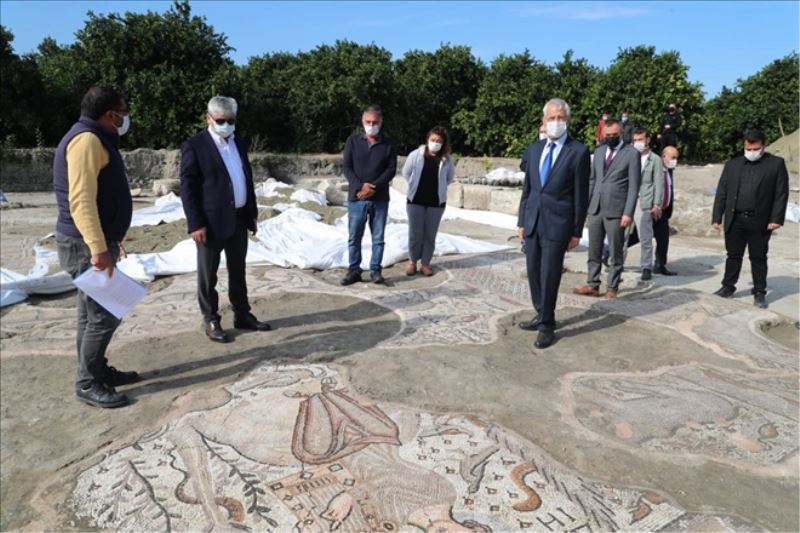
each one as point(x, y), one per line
point(725, 292)
point(215, 332)
point(664, 271)
point(101, 395)
point(544, 339)
point(377, 277)
point(249, 321)
point(117, 378)
point(530, 325)
point(352, 277)
point(647, 274)
point(760, 300)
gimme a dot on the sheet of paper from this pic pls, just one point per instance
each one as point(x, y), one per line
point(117, 294)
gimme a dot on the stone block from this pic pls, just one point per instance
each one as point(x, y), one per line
point(505, 201)
point(455, 195)
point(477, 197)
point(166, 186)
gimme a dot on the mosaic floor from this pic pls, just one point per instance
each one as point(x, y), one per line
point(295, 448)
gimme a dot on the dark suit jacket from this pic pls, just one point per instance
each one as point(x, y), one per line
point(560, 206)
point(614, 192)
point(772, 190)
point(206, 188)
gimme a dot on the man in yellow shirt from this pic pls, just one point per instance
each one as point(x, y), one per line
point(94, 214)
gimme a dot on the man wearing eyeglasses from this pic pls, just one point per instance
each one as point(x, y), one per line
point(220, 205)
point(94, 214)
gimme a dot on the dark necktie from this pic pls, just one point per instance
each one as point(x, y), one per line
point(609, 158)
point(547, 164)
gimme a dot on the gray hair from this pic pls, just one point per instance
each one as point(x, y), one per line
point(558, 103)
point(222, 104)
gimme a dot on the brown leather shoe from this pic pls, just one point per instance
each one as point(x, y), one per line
point(411, 269)
point(427, 270)
point(611, 293)
point(586, 290)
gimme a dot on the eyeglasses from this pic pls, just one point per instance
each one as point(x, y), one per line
point(221, 121)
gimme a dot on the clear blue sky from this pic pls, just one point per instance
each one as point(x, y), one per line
point(720, 41)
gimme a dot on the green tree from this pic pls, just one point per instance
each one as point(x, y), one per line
point(168, 65)
point(331, 85)
point(21, 89)
point(573, 78)
point(767, 100)
point(508, 107)
point(267, 116)
point(643, 83)
point(432, 88)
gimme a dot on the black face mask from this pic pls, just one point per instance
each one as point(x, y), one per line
point(612, 140)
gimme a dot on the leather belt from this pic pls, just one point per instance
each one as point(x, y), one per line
point(745, 213)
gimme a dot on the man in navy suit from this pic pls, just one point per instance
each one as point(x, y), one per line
point(552, 210)
point(220, 205)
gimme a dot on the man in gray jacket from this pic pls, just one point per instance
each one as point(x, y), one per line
point(613, 192)
point(651, 196)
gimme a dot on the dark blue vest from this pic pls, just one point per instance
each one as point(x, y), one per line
point(114, 202)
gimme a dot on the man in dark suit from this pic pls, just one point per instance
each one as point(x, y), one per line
point(552, 211)
point(220, 205)
point(613, 193)
point(752, 195)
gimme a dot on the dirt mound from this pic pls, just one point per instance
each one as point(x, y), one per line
point(788, 147)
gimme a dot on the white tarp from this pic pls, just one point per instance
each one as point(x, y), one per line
point(304, 195)
point(168, 208)
point(269, 188)
point(295, 238)
point(16, 287)
point(504, 174)
point(793, 212)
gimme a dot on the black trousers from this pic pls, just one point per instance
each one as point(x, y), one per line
point(208, 257)
point(661, 234)
point(746, 232)
point(545, 261)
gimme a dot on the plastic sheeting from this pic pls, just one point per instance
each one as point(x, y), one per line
point(297, 238)
point(793, 212)
point(504, 174)
point(168, 208)
point(15, 287)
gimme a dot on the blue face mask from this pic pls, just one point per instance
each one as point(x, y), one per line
point(224, 130)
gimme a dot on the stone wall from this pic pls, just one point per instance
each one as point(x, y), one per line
point(30, 170)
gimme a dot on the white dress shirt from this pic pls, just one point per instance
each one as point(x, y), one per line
point(233, 163)
point(557, 150)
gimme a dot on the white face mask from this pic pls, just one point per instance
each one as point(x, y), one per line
point(640, 146)
point(224, 130)
point(542, 135)
point(672, 163)
point(372, 131)
point(556, 128)
point(434, 147)
point(753, 155)
point(126, 124)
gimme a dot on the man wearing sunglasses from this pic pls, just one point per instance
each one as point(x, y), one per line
point(94, 214)
point(220, 205)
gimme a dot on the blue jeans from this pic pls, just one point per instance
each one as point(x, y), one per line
point(358, 213)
